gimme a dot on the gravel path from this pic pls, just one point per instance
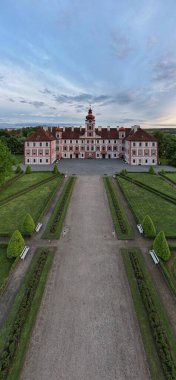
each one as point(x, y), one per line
point(86, 327)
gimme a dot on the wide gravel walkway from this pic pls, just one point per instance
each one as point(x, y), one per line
point(86, 328)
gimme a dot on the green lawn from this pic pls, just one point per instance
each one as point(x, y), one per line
point(5, 264)
point(34, 202)
point(155, 182)
point(145, 203)
point(171, 176)
point(24, 182)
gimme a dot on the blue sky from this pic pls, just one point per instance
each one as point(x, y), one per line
point(59, 56)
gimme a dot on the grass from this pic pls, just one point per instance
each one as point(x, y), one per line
point(142, 316)
point(169, 270)
point(143, 203)
point(5, 264)
point(15, 370)
point(155, 182)
point(120, 220)
point(34, 202)
point(171, 177)
point(60, 208)
point(24, 182)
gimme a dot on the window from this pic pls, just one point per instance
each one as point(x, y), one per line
point(97, 141)
point(115, 148)
point(140, 144)
point(65, 148)
point(153, 144)
point(92, 141)
point(90, 134)
point(40, 152)
point(46, 152)
point(153, 152)
point(46, 159)
point(27, 144)
point(114, 141)
point(109, 141)
point(70, 141)
point(82, 141)
point(153, 161)
point(28, 160)
point(146, 161)
point(40, 160)
point(40, 144)
point(146, 144)
point(98, 155)
point(82, 155)
point(146, 152)
point(46, 143)
point(89, 127)
point(134, 144)
point(71, 148)
point(114, 155)
point(133, 152)
point(103, 141)
point(87, 141)
point(139, 152)
point(98, 148)
point(65, 155)
point(34, 152)
point(34, 160)
point(87, 147)
point(92, 148)
point(33, 144)
point(134, 161)
point(76, 141)
point(28, 152)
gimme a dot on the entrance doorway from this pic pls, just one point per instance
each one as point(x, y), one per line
point(103, 155)
point(70, 155)
point(76, 155)
point(109, 156)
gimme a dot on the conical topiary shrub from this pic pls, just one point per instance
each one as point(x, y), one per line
point(148, 227)
point(28, 225)
point(161, 247)
point(151, 170)
point(55, 170)
point(16, 245)
point(28, 169)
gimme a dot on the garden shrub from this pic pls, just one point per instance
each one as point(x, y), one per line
point(28, 169)
point(55, 169)
point(151, 170)
point(161, 246)
point(16, 245)
point(28, 225)
point(148, 227)
point(18, 170)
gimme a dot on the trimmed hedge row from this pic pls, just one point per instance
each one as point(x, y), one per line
point(30, 188)
point(158, 331)
point(168, 198)
point(62, 204)
point(116, 205)
point(8, 353)
point(10, 181)
point(120, 220)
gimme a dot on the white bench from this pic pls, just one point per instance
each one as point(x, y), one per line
point(154, 256)
point(140, 228)
point(24, 252)
point(38, 227)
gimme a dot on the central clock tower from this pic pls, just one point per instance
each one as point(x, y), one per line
point(90, 124)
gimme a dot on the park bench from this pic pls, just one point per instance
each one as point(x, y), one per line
point(24, 252)
point(154, 256)
point(140, 228)
point(38, 227)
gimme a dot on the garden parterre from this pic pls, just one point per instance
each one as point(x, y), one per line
point(155, 182)
point(145, 203)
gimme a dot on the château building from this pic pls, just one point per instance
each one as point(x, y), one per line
point(134, 145)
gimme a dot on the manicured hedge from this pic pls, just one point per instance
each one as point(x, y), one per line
point(54, 227)
point(161, 247)
point(148, 227)
point(121, 223)
point(11, 346)
point(28, 225)
point(16, 245)
point(158, 330)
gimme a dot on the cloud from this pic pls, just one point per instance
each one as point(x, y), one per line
point(165, 70)
point(1, 78)
point(34, 103)
point(46, 91)
point(11, 100)
point(53, 108)
point(120, 45)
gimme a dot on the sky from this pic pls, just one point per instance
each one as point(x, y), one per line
point(59, 56)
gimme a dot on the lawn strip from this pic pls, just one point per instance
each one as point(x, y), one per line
point(154, 181)
point(146, 309)
point(54, 227)
point(15, 335)
point(120, 220)
point(143, 202)
point(35, 202)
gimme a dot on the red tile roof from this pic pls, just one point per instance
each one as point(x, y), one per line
point(40, 135)
point(140, 135)
point(106, 134)
point(73, 135)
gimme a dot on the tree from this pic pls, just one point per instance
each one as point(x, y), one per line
point(6, 163)
point(151, 170)
point(16, 245)
point(161, 247)
point(18, 170)
point(28, 225)
point(148, 227)
point(55, 169)
point(28, 169)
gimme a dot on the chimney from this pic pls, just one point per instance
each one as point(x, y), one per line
point(108, 128)
point(135, 128)
point(72, 129)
